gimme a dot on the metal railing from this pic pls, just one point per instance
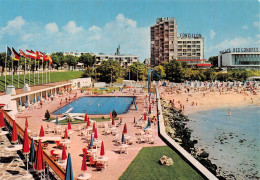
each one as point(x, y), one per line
point(51, 163)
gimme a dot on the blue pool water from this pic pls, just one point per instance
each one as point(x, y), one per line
point(233, 142)
point(98, 105)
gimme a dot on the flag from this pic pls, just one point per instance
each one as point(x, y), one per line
point(43, 57)
point(22, 53)
point(38, 55)
point(13, 54)
point(8, 51)
point(30, 54)
point(50, 60)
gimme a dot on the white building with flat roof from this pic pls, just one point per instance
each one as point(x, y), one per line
point(240, 58)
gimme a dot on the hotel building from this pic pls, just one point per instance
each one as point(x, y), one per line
point(125, 60)
point(166, 46)
point(240, 58)
point(163, 41)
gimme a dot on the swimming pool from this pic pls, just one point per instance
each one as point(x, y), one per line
point(98, 105)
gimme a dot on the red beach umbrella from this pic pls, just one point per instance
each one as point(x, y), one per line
point(2, 121)
point(86, 118)
point(64, 154)
point(26, 122)
point(113, 120)
point(41, 132)
point(84, 163)
point(66, 134)
point(102, 152)
point(95, 134)
point(88, 122)
point(39, 163)
point(125, 129)
point(144, 116)
point(69, 125)
point(93, 127)
point(14, 133)
point(26, 148)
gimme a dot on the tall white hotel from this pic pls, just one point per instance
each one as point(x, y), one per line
point(166, 46)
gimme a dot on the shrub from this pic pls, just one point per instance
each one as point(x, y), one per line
point(47, 115)
point(114, 113)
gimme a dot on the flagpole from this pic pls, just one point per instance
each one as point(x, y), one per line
point(5, 66)
point(29, 71)
point(12, 71)
point(46, 66)
point(34, 72)
point(49, 72)
point(24, 71)
point(38, 71)
point(42, 72)
point(18, 74)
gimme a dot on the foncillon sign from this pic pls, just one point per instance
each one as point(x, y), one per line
point(193, 35)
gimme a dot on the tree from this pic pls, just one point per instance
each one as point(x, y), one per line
point(108, 70)
point(137, 71)
point(2, 61)
point(58, 58)
point(160, 71)
point(174, 71)
point(214, 61)
point(87, 59)
point(71, 61)
point(89, 72)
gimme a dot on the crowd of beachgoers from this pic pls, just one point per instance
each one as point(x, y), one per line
point(190, 97)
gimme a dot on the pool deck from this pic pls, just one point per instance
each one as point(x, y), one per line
point(117, 163)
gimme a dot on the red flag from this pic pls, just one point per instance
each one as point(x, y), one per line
point(31, 54)
point(22, 54)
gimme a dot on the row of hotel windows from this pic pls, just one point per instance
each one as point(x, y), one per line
point(187, 50)
point(188, 42)
point(189, 46)
point(188, 54)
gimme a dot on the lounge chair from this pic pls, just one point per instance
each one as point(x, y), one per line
point(99, 166)
point(53, 156)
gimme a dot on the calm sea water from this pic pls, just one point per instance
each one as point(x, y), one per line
point(98, 105)
point(232, 142)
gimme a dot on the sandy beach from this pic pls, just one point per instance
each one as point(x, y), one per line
point(207, 100)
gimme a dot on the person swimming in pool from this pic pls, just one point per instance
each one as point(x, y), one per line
point(90, 103)
point(98, 104)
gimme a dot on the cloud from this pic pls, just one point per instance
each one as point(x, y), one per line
point(121, 19)
point(14, 25)
point(94, 28)
point(212, 34)
point(244, 27)
point(71, 37)
point(236, 42)
point(256, 24)
point(72, 28)
point(52, 27)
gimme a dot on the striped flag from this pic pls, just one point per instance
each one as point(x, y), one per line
point(31, 54)
point(50, 60)
point(13, 54)
point(22, 53)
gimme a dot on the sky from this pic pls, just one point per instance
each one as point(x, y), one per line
point(99, 26)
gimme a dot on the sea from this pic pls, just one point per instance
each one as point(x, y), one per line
point(233, 142)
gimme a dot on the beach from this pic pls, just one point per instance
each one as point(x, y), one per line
point(225, 124)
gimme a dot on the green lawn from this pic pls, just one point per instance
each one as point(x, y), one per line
point(146, 166)
point(55, 77)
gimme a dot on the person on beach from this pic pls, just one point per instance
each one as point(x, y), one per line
point(229, 112)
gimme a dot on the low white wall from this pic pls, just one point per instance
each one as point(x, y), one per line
point(177, 147)
point(81, 82)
